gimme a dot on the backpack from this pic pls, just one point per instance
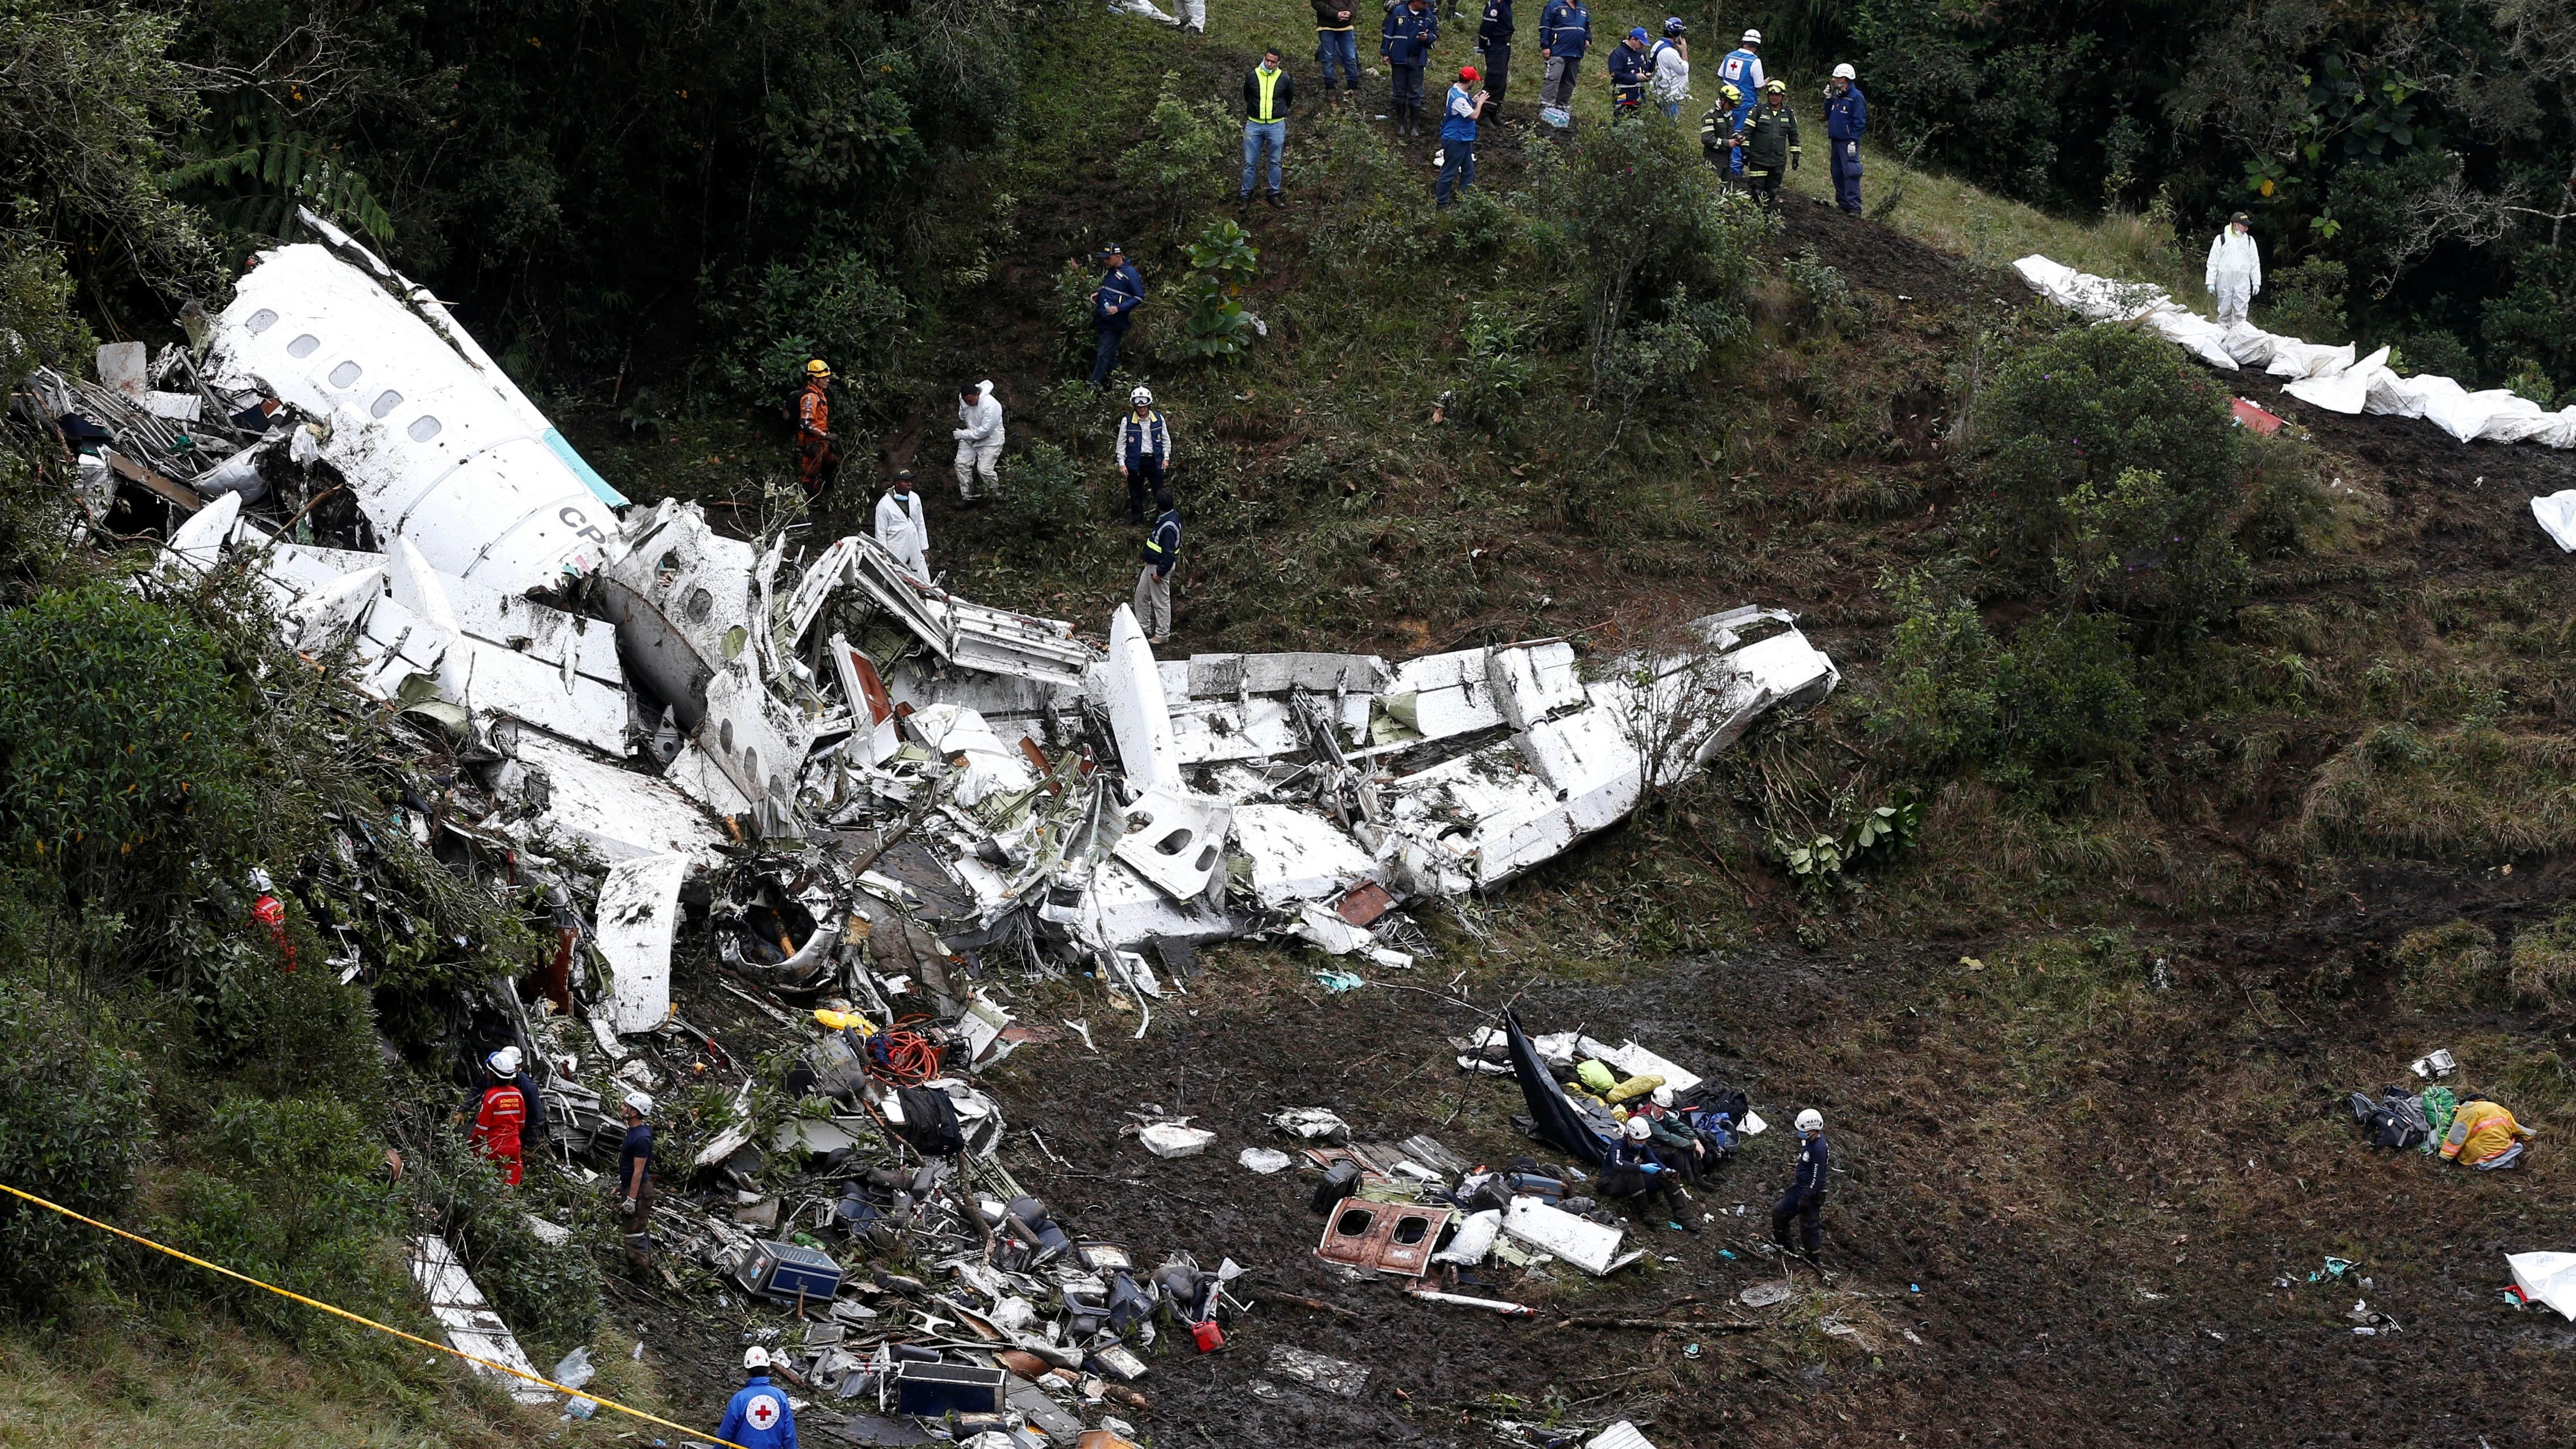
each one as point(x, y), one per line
point(930, 1121)
point(2393, 1119)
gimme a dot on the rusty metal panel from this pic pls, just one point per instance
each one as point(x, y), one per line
point(1365, 903)
point(1383, 1237)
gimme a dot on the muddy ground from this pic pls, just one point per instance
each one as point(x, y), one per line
point(2057, 1220)
point(2023, 1255)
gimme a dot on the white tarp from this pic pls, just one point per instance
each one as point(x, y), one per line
point(2557, 514)
point(2548, 1278)
point(2327, 377)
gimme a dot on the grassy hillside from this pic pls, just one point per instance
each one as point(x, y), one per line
point(2190, 857)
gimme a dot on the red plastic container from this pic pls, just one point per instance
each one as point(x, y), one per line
point(1210, 1337)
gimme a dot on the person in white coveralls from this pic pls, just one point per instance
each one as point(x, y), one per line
point(2235, 271)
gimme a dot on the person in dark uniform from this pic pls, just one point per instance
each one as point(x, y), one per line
point(1494, 43)
point(1805, 1199)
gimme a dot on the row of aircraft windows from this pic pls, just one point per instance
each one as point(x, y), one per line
point(346, 375)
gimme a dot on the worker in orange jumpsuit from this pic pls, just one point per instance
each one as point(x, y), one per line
point(500, 1110)
point(818, 458)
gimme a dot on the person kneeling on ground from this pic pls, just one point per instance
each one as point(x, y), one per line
point(2484, 1135)
point(1633, 1169)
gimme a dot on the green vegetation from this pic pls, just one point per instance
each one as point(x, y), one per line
point(2108, 659)
point(2404, 167)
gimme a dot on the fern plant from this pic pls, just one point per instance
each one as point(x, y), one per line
point(257, 175)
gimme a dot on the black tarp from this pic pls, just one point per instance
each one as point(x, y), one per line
point(1554, 1119)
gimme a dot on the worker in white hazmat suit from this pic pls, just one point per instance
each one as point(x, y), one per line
point(903, 526)
point(979, 437)
point(2235, 271)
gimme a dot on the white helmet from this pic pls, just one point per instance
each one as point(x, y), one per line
point(1664, 1097)
point(755, 1357)
point(640, 1104)
point(505, 1062)
point(1845, 72)
point(1751, 37)
point(1811, 1120)
point(1638, 1131)
point(1142, 397)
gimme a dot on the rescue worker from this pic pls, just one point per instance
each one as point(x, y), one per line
point(1719, 143)
point(2484, 1136)
point(903, 526)
point(1113, 311)
point(1805, 1199)
point(979, 438)
point(1633, 1169)
point(1143, 448)
point(499, 1110)
point(1742, 69)
point(1629, 67)
point(1411, 30)
point(1770, 143)
point(1846, 118)
point(634, 1184)
point(1154, 581)
point(1564, 34)
point(1336, 43)
point(1670, 59)
point(1494, 45)
point(1268, 91)
point(818, 455)
point(759, 1416)
point(1463, 106)
point(2235, 274)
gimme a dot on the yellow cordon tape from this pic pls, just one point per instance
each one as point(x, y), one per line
point(367, 1322)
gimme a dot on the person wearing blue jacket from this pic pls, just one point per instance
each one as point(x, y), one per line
point(1630, 67)
point(1846, 118)
point(1632, 1168)
point(1805, 1199)
point(1494, 43)
point(1113, 311)
point(1406, 44)
point(759, 1416)
point(1154, 581)
point(1564, 34)
point(1458, 115)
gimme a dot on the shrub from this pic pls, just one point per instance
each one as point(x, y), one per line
point(123, 756)
point(833, 305)
point(2288, 510)
point(1937, 701)
point(2441, 355)
point(548, 1294)
point(2062, 428)
point(1634, 223)
point(1824, 299)
point(2544, 964)
point(2306, 301)
point(291, 1191)
point(2066, 693)
point(1042, 497)
point(1497, 369)
point(2450, 967)
point(1178, 165)
point(75, 1125)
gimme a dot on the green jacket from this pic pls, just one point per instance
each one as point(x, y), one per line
point(1770, 138)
